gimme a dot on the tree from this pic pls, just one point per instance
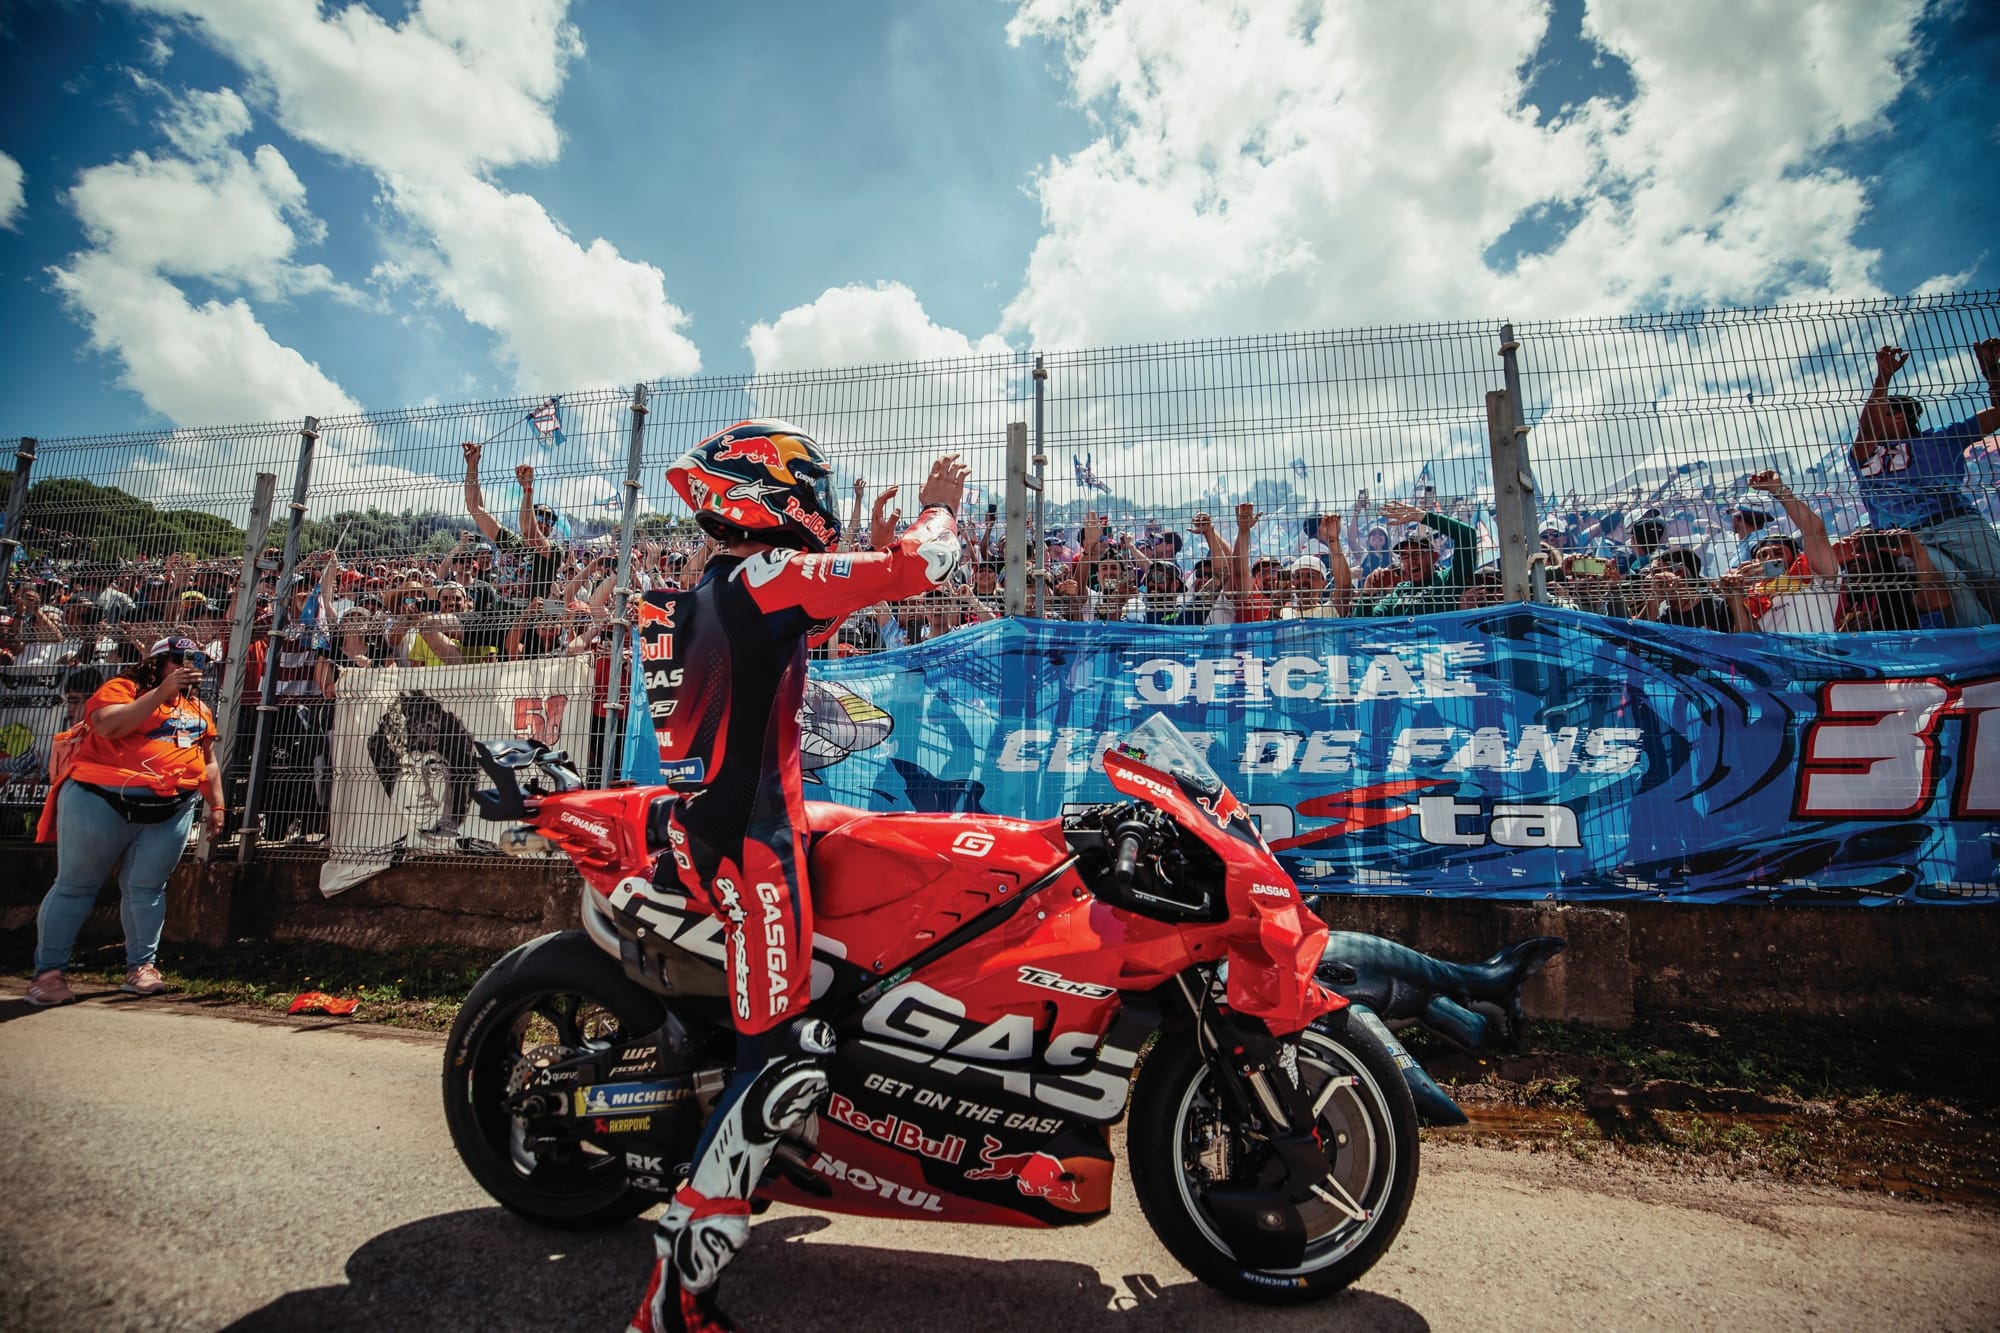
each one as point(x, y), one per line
point(109, 524)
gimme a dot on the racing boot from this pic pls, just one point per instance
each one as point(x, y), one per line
point(709, 1219)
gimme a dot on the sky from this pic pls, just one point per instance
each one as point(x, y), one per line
point(218, 211)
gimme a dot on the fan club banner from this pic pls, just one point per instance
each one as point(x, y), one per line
point(1518, 753)
point(403, 768)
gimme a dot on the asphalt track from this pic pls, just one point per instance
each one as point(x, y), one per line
point(169, 1168)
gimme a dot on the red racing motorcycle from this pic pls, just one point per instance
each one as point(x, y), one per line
point(994, 983)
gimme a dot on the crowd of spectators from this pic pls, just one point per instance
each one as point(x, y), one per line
point(1905, 541)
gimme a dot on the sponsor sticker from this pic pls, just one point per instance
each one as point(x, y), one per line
point(685, 770)
point(607, 1098)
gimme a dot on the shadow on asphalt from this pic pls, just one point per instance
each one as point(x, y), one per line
point(486, 1269)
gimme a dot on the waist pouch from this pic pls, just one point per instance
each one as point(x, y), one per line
point(141, 809)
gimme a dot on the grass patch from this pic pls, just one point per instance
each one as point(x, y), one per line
point(419, 988)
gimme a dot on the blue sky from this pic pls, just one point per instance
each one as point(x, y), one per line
point(526, 196)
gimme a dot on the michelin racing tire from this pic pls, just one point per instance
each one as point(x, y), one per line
point(1373, 1119)
point(557, 981)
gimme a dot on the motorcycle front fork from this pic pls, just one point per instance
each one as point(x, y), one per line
point(1257, 1073)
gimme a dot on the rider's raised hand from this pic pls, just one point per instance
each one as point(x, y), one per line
point(946, 483)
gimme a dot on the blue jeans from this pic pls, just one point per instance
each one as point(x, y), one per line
point(90, 838)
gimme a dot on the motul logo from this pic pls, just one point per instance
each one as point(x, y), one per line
point(869, 1183)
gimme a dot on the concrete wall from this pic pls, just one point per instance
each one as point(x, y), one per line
point(1928, 964)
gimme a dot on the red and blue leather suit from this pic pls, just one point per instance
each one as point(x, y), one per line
point(729, 739)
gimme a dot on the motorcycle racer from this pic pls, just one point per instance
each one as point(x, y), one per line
point(729, 739)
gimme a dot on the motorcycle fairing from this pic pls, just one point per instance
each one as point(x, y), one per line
point(915, 1130)
point(1273, 943)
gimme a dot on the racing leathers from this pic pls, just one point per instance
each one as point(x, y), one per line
point(728, 728)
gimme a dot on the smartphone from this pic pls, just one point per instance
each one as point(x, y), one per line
point(1310, 526)
point(1774, 569)
point(1589, 566)
point(991, 510)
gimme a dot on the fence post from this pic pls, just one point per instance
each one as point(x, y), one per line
point(1014, 590)
point(17, 499)
point(246, 843)
point(624, 680)
point(242, 612)
point(1041, 513)
point(1514, 518)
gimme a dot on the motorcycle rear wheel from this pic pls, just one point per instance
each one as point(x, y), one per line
point(1372, 1120)
point(558, 990)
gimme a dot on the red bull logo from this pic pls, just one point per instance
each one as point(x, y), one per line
point(1038, 1175)
point(757, 448)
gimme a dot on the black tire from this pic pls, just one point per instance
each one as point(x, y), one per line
point(521, 997)
point(1378, 1162)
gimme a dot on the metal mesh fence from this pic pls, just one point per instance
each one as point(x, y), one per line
point(441, 593)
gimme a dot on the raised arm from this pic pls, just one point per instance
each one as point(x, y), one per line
point(853, 517)
point(1988, 355)
point(829, 586)
point(1812, 529)
point(1879, 421)
point(475, 502)
point(1464, 546)
point(1340, 574)
point(531, 531)
point(1239, 555)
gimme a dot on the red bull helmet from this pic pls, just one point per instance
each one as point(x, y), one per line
point(767, 478)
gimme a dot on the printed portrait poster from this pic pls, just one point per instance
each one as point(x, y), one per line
point(31, 713)
point(404, 768)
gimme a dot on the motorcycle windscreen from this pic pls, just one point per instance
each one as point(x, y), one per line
point(1274, 943)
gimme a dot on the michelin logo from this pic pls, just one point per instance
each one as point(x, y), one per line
point(614, 1098)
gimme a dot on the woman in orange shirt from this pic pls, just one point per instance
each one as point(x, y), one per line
point(130, 794)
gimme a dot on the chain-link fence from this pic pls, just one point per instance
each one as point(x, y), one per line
point(452, 572)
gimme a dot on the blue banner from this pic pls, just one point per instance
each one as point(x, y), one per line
point(1519, 752)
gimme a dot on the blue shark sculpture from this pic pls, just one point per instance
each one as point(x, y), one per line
point(1473, 1005)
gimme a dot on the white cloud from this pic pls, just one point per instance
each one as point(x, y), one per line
point(1285, 167)
point(12, 197)
point(192, 364)
point(218, 216)
point(433, 105)
point(222, 217)
point(859, 326)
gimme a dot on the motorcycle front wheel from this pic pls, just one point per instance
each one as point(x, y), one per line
point(556, 996)
point(1180, 1143)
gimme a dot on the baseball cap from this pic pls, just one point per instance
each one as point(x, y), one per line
point(179, 646)
point(1414, 542)
point(1755, 502)
point(1308, 562)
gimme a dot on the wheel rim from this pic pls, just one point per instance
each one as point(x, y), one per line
point(1354, 1117)
point(567, 1021)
